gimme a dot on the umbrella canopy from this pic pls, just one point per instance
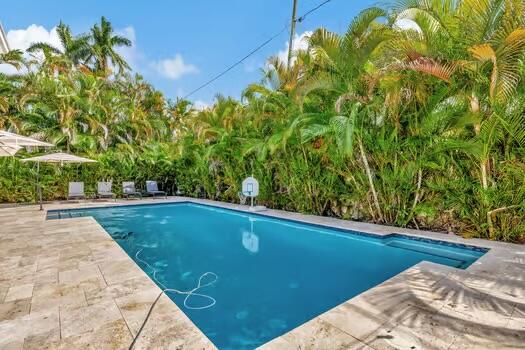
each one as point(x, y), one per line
point(59, 157)
point(10, 139)
point(8, 151)
point(10, 143)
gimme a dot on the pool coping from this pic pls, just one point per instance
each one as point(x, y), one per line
point(323, 226)
point(494, 260)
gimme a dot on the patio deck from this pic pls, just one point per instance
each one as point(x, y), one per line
point(67, 284)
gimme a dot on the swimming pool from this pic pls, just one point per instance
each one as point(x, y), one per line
point(273, 274)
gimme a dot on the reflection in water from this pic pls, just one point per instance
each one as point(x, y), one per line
point(250, 240)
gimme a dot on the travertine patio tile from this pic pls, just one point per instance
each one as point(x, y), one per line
point(442, 326)
point(482, 310)
point(14, 309)
point(18, 292)
point(27, 260)
point(105, 251)
point(355, 320)
point(10, 261)
point(169, 328)
point(76, 251)
point(83, 273)
point(12, 345)
point(49, 260)
point(119, 271)
point(517, 328)
point(482, 336)
point(134, 307)
point(46, 340)
point(88, 318)
point(117, 290)
point(14, 331)
point(318, 334)
point(420, 330)
point(394, 299)
point(50, 296)
point(114, 335)
point(47, 275)
point(401, 337)
point(278, 343)
point(519, 312)
point(3, 293)
point(19, 274)
point(501, 288)
point(92, 284)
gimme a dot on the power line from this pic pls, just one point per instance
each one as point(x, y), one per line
point(238, 62)
point(303, 17)
point(266, 42)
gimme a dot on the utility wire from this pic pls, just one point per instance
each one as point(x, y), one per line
point(238, 62)
point(303, 17)
point(266, 42)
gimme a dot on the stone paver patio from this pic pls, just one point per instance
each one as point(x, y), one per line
point(66, 284)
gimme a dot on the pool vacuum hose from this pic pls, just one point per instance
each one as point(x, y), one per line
point(188, 293)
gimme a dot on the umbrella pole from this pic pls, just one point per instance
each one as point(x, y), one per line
point(39, 188)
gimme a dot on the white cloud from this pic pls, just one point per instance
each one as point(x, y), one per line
point(171, 68)
point(201, 105)
point(132, 55)
point(7, 69)
point(300, 42)
point(21, 39)
point(174, 68)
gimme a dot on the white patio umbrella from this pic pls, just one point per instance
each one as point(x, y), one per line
point(11, 143)
point(57, 158)
point(8, 151)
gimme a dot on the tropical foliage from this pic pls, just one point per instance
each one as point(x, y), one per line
point(419, 125)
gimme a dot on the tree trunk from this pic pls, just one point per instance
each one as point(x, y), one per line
point(418, 193)
point(484, 174)
point(370, 180)
point(419, 180)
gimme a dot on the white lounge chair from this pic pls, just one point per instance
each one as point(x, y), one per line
point(153, 190)
point(104, 190)
point(128, 190)
point(76, 190)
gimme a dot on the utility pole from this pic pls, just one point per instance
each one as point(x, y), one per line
point(292, 32)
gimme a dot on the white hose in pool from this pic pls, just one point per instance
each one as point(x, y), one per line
point(188, 293)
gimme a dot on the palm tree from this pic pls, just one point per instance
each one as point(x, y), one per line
point(74, 48)
point(103, 47)
point(347, 70)
point(481, 44)
point(14, 58)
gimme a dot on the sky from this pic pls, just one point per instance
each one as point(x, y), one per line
point(178, 45)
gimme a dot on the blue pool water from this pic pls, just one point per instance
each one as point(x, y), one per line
point(273, 275)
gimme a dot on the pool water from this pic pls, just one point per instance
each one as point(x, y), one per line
point(273, 274)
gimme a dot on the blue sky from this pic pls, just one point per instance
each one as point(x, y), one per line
point(178, 45)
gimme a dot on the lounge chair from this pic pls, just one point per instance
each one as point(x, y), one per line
point(104, 190)
point(153, 190)
point(76, 190)
point(128, 190)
